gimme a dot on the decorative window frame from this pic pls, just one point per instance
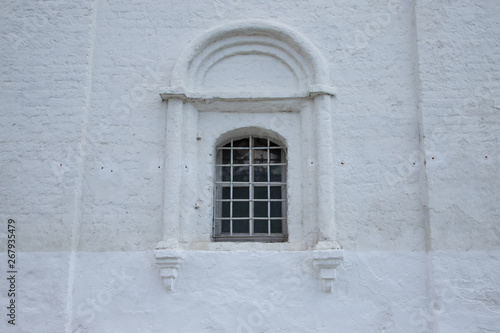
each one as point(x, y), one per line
point(300, 107)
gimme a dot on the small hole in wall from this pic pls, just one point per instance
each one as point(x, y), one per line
point(436, 306)
point(60, 165)
point(111, 170)
point(341, 163)
point(413, 163)
point(102, 168)
point(158, 166)
point(484, 157)
point(433, 158)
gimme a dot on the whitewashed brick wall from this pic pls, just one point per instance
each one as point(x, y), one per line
point(416, 151)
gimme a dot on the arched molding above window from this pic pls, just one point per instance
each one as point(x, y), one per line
point(266, 60)
point(255, 131)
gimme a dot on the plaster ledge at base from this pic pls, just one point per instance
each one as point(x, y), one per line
point(169, 262)
point(326, 261)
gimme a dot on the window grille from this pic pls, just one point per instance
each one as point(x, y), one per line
point(250, 186)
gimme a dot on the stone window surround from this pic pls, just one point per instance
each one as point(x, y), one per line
point(186, 94)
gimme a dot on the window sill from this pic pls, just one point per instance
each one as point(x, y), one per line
point(251, 239)
point(244, 246)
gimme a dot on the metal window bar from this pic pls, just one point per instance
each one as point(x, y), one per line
point(251, 189)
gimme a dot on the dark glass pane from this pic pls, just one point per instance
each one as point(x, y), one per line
point(275, 173)
point(226, 174)
point(241, 174)
point(240, 208)
point(275, 209)
point(275, 155)
point(259, 142)
point(272, 144)
point(241, 227)
point(226, 156)
point(276, 227)
point(260, 209)
point(260, 192)
point(260, 226)
point(260, 174)
point(225, 228)
point(240, 143)
point(240, 192)
point(241, 156)
point(226, 193)
point(225, 209)
point(260, 156)
point(275, 192)
point(227, 145)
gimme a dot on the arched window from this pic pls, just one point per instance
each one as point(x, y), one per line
point(250, 186)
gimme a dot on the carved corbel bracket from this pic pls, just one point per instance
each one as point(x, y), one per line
point(169, 262)
point(326, 262)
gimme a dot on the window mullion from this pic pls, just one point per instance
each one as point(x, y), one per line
point(231, 192)
point(250, 189)
point(268, 188)
point(283, 192)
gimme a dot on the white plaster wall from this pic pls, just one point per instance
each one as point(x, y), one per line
point(44, 54)
point(82, 133)
point(233, 294)
point(460, 118)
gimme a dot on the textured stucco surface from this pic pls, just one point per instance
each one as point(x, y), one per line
point(458, 61)
point(416, 153)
